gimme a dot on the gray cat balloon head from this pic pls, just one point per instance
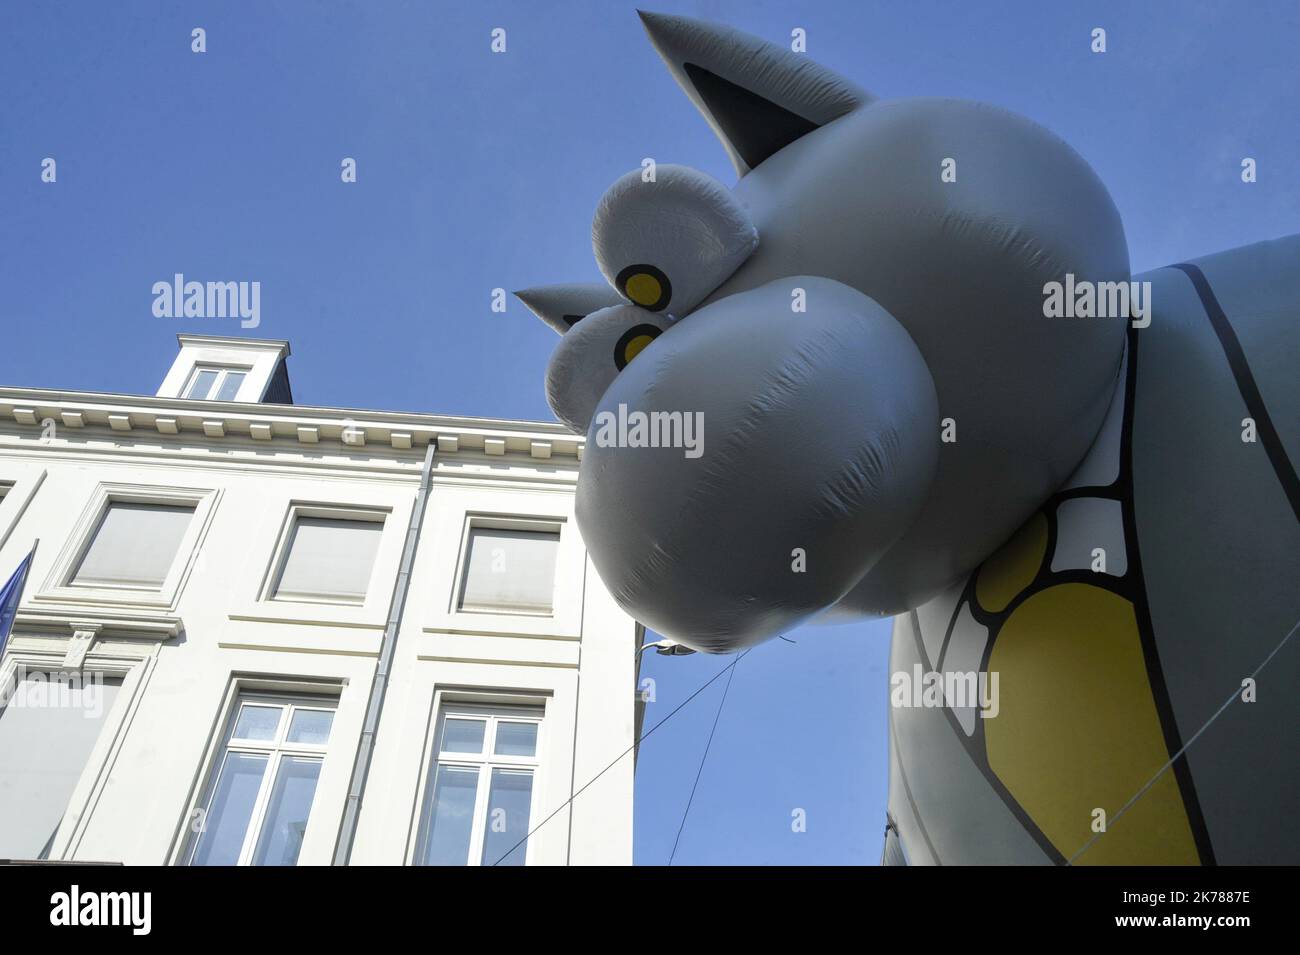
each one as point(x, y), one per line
point(832, 388)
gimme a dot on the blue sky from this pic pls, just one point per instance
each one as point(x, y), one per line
point(478, 171)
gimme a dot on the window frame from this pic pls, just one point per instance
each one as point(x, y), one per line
point(441, 556)
point(473, 522)
point(495, 708)
point(79, 563)
point(275, 751)
point(223, 372)
point(21, 482)
point(58, 585)
point(267, 593)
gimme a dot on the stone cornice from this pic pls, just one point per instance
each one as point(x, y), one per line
point(65, 621)
point(222, 421)
point(279, 346)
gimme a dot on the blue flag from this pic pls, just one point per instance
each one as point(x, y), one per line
point(10, 595)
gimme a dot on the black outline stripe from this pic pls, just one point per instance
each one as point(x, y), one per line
point(1142, 614)
point(974, 749)
point(1249, 391)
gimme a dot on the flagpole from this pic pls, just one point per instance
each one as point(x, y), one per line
point(6, 630)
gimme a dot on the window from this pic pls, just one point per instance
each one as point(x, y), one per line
point(259, 798)
point(134, 546)
point(48, 728)
point(479, 795)
point(215, 382)
point(328, 559)
point(510, 569)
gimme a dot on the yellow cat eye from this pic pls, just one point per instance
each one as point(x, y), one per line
point(632, 342)
point(646, 286)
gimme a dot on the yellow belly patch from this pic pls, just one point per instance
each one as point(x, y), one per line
point(1013, 567)
point(1078, 729)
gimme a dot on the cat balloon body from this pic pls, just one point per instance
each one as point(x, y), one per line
point(902, 369)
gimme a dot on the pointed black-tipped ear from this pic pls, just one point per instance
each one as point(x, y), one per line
point(563, 306)
point(757, 96)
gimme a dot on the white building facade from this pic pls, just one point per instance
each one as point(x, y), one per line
point(218, 582)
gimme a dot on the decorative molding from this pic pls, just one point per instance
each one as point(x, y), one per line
point(244, 422)
point(487, 630)
point(84, 633)
point(305, 620)
point(492, 661)
point(99, 623)
point(353, 649)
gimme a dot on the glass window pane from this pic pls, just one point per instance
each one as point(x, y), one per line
point(463, 736)
point(231, 808)
point(510, 570)
point(134, 545)
point(311, 726)
point(516, 739)
point(230, 386)
point(329, 558)
point(509, 800)
point(257, 722)
point(450, 815)
point(201, 384)
point(287, 813)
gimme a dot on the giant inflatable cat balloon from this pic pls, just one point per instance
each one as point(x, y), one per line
point(899, 369)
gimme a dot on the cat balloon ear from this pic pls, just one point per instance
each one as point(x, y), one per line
point(757, 96)
point(563, 306)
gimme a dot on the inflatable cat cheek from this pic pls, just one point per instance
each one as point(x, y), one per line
point(815, 418)
point(747, 444)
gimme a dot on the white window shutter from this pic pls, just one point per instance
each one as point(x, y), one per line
point(134, 545)
point(329, 559)
point(43, 751)
point(510, 570)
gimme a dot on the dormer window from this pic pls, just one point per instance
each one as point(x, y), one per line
point(213, 368)
point(215, 382)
